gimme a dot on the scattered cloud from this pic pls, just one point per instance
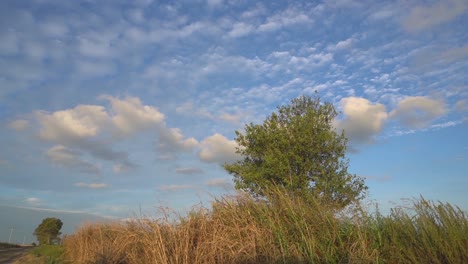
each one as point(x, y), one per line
point(94, 129)
point(217, 148)
point(284, 18)
point(382, 14)
point(63, 126)
point(418, 111)
point(240, 29)
point(33, 200)
point(342, 45)
point(220, 182)
point(189, 170)
point(446, 124)
point(234, 118)
point(435, 58)
point(171, 141)
point(362, 119)
point(176, 187)
point(65, 157)
point(423, 17)
point(91, 185)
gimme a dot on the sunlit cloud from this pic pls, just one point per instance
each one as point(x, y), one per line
point(362, 119)
point(418, 111)
point(217, 148)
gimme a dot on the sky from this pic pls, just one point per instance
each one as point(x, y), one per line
point(110, 109)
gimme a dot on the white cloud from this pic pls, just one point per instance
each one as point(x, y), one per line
point(189, 170)
point(341, 45)
point(423, 17)
point(131, 116)
point(217, 148)
point(234, 118)
point(19, 125)
point(382, 14)
point(65, 125)
point(418, 111)
point(93, 129)
point(240, 29)
point(446, 124)
point(91, 185)
point(66, 157)
point(171, 140)
point(285, 18)
point(362, 119)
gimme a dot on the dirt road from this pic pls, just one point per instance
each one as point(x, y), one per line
point(9, 255)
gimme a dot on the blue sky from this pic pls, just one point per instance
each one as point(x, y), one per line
point(112, 107)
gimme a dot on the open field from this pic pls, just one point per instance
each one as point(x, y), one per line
point(286, 230)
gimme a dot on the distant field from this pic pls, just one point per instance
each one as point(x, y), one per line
point(7, 245)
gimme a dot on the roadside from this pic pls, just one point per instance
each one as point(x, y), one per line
point(10, 255)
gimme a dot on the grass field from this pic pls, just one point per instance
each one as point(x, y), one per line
point(241, 229)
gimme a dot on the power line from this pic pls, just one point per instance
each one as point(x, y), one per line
point(11, 233)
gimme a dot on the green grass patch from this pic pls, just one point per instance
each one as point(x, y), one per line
point(51, 254)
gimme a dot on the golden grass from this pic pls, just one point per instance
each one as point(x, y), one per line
point(241, 229)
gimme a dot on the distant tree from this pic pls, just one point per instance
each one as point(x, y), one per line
point(298, 149)
point(48, 231)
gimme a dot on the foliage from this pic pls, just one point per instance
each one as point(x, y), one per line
point(242, 229)
point(299, 150)
point(48, 231)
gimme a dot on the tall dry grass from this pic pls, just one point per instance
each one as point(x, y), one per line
point(287, 229)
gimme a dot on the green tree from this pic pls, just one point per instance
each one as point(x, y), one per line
point(299, 150)
point(48, 231)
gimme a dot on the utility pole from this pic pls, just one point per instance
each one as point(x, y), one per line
point(11, 233)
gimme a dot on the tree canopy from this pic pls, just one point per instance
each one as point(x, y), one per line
point(298, 149)
point(48, 231)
